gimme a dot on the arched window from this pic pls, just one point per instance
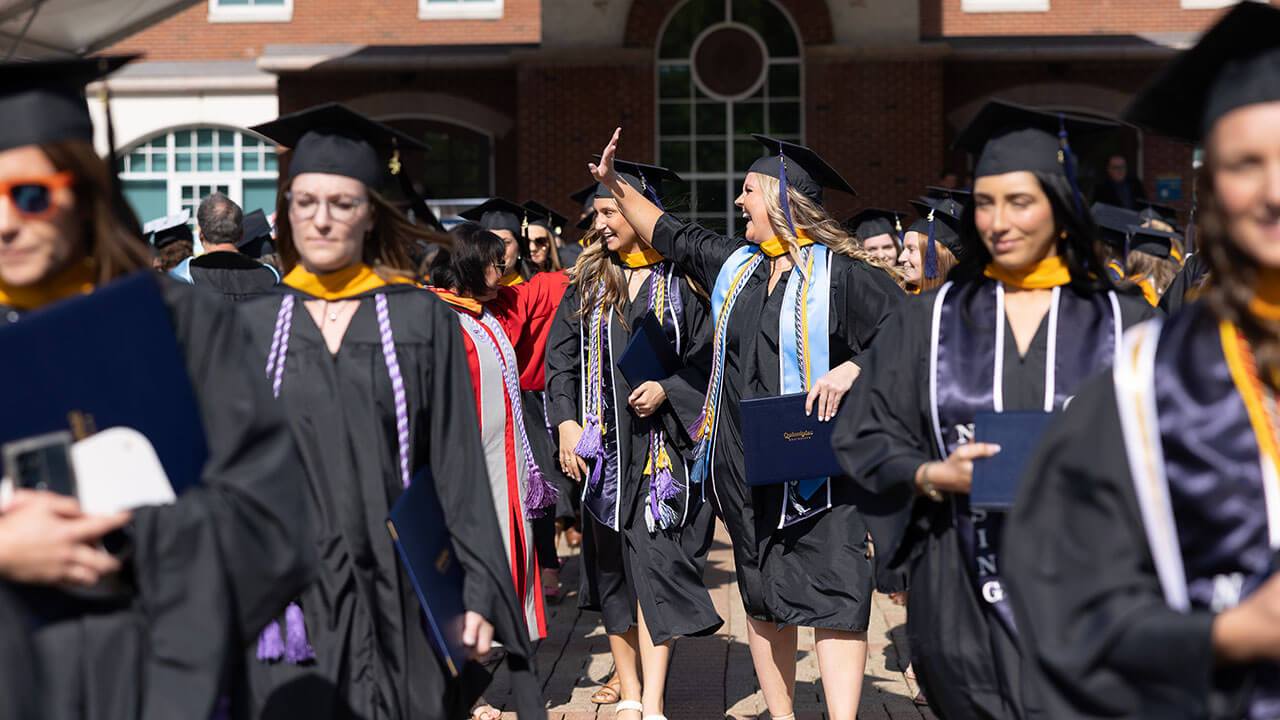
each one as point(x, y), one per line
point(726, 69)
point(178, 168)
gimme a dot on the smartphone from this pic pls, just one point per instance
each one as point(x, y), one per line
point(42, 462)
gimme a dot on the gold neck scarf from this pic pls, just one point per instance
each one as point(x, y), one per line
point(470, 305)
point(1265, 304)
point(776, 246)
point(511, 278)
point(1048, 273)
point(345, 283)
point(644, 258)
point(75, 279)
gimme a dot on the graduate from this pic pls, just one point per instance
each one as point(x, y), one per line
point(194, 579)
point(172, 240)
point(648, 528)
point(1022, 308)
point(521, 493)
point(932, 245)
point(1140, 550)
point(373, 377)
point(879, 232)
point(224, 266)
point(800, 548)
point(510, 222)
point(543, 233)
point(1186, 286)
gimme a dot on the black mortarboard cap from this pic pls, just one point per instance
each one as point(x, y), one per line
point(585, 195)
point(1113, 223)
point(587, 221)
point(940, 222)
point(1236, 63)
point(1008, 138)
point(333, 138)
point(871, 222)
point(647, 179)
point(956, 194)
point(805, 170)
point(1156, 211)
point(256, 240)
point(499, 214)
point(169, 229)
point(1151, 241)
point(43, 101)
point(545, 216)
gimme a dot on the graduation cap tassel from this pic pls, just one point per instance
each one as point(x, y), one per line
point(647, 190)
point(782, 193)
point(1069, 164)
point(931, 253)
point(1191, 217)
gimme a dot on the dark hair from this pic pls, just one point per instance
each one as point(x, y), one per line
point(109, 229)
point(172, 255)
point(1076, 248)
point(475, 250)
point(221, 220)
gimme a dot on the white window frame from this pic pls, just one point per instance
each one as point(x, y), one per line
point(1208, 4)
point(1003, 6)
point(219, 13)
point(460, 10)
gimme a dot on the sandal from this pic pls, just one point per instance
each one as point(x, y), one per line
point(485, 711)
point(609, 692)
point(625, 705)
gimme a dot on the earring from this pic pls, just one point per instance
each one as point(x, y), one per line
point(1063, 235)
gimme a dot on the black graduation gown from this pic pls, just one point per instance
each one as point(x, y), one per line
point(815, 572)
point(1181, 288)
point(236, 276)
point(209, 570)
point(1084, 585)
point(967, 661)
point(662, 570)
point(363, 619)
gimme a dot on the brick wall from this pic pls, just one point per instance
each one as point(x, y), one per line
point(190, 36)
point(878, 122)
point(1066, 17)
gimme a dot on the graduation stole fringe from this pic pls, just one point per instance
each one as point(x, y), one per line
point(539, 493)
point(76, 279)
point(294, 647)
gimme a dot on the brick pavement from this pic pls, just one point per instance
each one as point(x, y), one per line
point(710, 677)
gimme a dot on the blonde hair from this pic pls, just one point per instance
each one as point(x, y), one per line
point(1158, 271)
point(810, 219)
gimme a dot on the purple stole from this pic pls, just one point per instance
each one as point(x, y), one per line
point(967, 375)
point(1205, 491)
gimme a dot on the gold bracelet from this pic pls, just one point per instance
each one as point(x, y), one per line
point(927, 487)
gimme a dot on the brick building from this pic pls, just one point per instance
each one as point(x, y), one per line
point(514, 96)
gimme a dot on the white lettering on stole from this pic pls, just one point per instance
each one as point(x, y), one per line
point(1226, 591)
point(1067, 403)
point(964, 434)
point(992, 591)
point(987, 565)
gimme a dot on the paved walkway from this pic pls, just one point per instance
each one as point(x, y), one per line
point(711, 677)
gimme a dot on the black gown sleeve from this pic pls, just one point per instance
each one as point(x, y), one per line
point(697, 251)
point(1176, 294)
point(687, 389)
point(881, 435)
point(1083, 585)
point(252, 486)
point(865, 296)
point(563, 362)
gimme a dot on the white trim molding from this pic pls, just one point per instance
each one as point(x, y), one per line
point(251, 12)
point(460, 9)
point(992, 6)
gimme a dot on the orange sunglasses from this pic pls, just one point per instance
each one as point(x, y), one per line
point(33, 196)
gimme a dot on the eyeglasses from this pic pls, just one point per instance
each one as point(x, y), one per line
point(540, 242)
point(500, 267)
point(341, 208)
point(33, 196)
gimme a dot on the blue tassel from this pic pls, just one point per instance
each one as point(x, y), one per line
point(270, 643)
point(650, 193)
point(296, 647)
point(542, 494)
point(1069, 165)
point(931, 253)
point(782, 193)
point(700, 459)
